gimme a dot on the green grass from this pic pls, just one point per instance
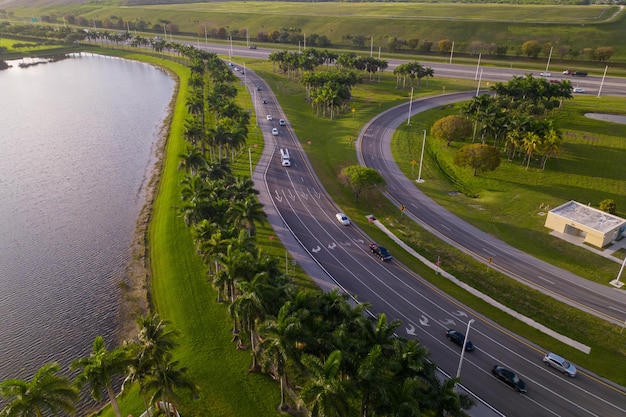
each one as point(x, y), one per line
point(511, 25)
point(588, 169)
point(330, 150)
point(182, 294)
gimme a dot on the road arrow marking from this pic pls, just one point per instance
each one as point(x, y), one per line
point(315, 194)
point(316, 249)
point(448, 321)
point(278, 197)
point(332, 246)
point(411, 330)
point(293, 197)
point(460, 313)
point(345, 243)
point(424, 321)
point(304, 195)
point(359, 240)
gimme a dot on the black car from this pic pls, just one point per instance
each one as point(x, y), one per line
point(264, 101)
point(381, 252)
point(510, 378)
point(458, 338)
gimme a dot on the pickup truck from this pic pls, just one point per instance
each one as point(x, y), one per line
point(381, 252)
point(575, 73)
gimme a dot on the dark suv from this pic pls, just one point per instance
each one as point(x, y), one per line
point(381, 252)
point(458, 338)
point(509, 377)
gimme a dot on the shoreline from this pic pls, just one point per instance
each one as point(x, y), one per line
point(135, 299)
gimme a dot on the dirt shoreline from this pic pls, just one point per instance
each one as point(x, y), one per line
point(135, 285)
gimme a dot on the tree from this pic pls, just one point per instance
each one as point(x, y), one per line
point(608, 206)
point(46, 392)
point(603, 53)
point(360, 178)
point(99, 368)
point(451, 128)
point(479, 157)
point(167, 378)
point(325, 393)
point(247, 213)
point(531, 49)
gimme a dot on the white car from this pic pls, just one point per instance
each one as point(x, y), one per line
point(579, 90)
point(343, 219)
point(275, 132)
point(282, 122)
point(269, 117)
point(557, 362)
point(545, 74)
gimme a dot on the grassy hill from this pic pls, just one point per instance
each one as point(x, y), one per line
point(580, 27)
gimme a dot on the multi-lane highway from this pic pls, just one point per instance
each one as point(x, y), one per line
point(304, 218)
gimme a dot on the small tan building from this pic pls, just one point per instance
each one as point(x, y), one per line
point(597, 227)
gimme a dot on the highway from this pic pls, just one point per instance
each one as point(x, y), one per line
point(303, 216)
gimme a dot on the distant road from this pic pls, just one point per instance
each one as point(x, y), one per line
point(612, 86)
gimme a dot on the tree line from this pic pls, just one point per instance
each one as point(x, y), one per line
point(514, 119)
point(330, 358)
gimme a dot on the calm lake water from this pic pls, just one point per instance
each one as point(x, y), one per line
point(78, 140)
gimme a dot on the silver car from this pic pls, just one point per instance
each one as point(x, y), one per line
point(557, 362)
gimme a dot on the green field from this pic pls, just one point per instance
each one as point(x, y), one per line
point(504, 25)
point(511, 195)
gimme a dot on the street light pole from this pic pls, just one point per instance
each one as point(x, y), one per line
point(469, 323)
point(408, 120)
point(250, 159)
point(616, 282)
point(419, 175)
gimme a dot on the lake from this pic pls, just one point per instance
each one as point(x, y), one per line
point(78, 142)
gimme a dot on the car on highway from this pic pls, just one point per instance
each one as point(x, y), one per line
point(458, 338)
point(282, 122)
point(509, 377)
point(264, 101)
point(560, 364)
point(343, 219)
point(269, 117)
point(381, 252)
point(275, 132)
point(545, 74)
point(575, 73)
point(252, 47)
point(578, 90)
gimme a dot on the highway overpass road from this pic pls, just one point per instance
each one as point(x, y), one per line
point(374, 151)
point(303, 216)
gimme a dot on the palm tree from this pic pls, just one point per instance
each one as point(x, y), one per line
point(167, 378)
point(46, 392)
point(280, 342)
point(530, 142)
point(247, 213)
point(325, 393)
point(99, 368)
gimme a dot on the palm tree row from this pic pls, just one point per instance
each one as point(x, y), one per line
point(517, 118)
point(412, 70)
point(146, 361)
point(346, 363)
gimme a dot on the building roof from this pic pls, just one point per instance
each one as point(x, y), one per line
point(588, 216)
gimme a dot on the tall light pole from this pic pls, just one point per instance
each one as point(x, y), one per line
point(250, 159)
point(458, 371)
point(408, 120)
point(451, 52)
point(616, 282)
point(478, 66)
point(479, 80)
point(549, 56)
point(602, 82)
point(419, 175)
